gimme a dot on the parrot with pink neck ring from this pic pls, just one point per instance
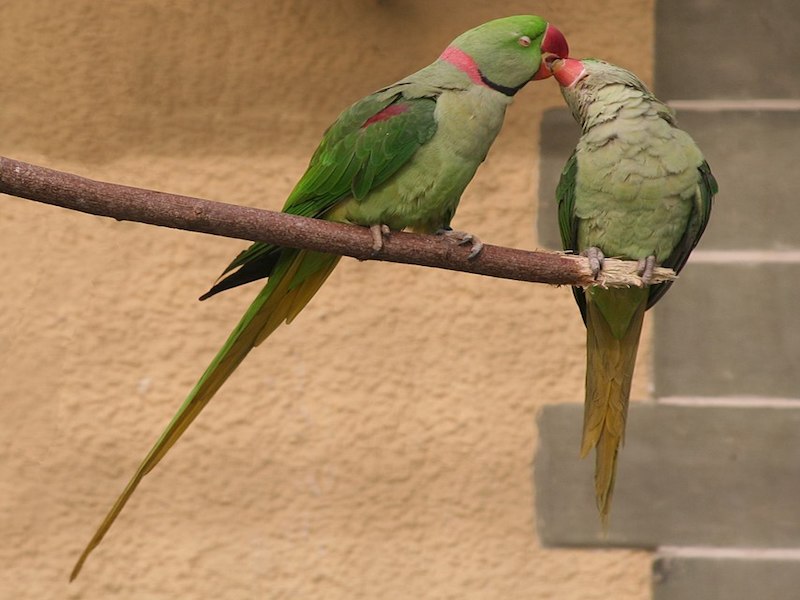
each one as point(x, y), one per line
point(636, 187)
point(399, 158)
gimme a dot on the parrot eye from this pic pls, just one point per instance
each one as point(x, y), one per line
point(524, 41)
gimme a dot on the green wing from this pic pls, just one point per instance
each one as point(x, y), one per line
point(565, 196)
point(706, 190)
point(366, 145)
point(567, 223)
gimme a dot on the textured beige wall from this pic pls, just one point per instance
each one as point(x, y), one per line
point(381, 446)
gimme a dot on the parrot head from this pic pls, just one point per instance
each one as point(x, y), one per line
point(507, 53)
point(583, 80)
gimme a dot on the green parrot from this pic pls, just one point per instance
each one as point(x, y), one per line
point(399, 158)
point(636, 187)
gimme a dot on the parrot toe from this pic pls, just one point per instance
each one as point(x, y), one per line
point(378, 233)
point(596, 258)
point(646, 268)
point(462, 238)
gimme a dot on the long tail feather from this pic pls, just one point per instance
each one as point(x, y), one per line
point(297, 277)
point(610, 361)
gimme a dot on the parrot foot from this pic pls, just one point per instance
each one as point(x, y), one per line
point(596, 258)
point(378, 233)
point(645, 269)
point(462, 238)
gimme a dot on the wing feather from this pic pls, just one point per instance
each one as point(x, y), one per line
point(567, 221)
point(706, 190)
point(364, 147)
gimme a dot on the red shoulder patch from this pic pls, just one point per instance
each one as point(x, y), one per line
point(387, 113)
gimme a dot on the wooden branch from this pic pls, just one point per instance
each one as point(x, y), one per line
point(194, 214)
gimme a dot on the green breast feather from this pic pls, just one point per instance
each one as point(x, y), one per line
point(706, 188)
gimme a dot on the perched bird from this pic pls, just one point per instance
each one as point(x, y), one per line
point(399, 158)
point(636, 187)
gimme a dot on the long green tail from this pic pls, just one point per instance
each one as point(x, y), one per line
point(296, 278)
point(613, 327)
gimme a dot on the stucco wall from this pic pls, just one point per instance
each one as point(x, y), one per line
point(380, 446)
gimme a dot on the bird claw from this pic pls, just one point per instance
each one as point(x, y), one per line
point(378, 233)
point(646, 268)
point(462, 238)
point(596, 258)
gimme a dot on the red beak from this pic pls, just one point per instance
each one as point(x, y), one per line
point(553, 43)
point(567, 71)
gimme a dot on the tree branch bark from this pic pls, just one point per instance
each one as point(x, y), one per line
point(125, 203)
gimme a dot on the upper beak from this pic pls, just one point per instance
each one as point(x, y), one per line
point(567, 71)
point(554, 45)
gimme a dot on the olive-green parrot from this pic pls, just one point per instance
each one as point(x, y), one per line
point(636, 187)
point(399, 158)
